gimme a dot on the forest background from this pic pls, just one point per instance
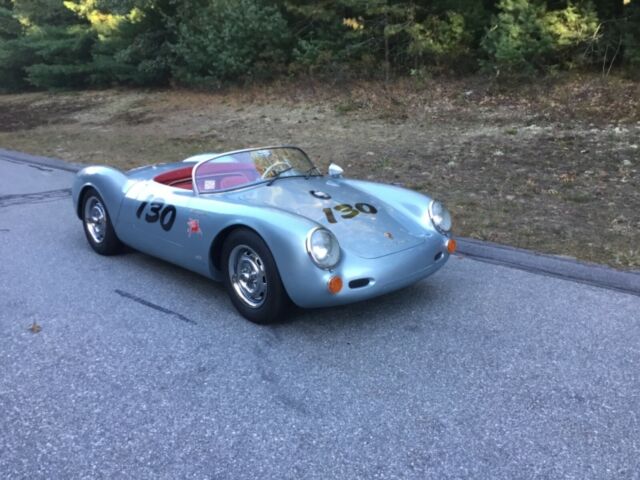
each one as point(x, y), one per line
point(82, 43)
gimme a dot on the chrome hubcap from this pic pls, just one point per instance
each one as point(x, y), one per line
point(95, 219)
point(248, 276)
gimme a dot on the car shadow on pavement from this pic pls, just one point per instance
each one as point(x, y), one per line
point(369, 313)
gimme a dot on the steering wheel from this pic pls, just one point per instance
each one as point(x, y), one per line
point(270, 168)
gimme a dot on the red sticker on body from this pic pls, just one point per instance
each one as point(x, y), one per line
point(193, 226)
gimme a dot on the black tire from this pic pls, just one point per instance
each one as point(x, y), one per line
point(249, 250)
point(104, 241)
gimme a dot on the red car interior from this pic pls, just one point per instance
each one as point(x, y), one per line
point(222, 176)
point(179, 178)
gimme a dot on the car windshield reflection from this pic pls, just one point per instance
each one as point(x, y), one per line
point(249, 167)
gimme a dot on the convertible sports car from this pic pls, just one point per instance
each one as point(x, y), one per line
point(268, 224)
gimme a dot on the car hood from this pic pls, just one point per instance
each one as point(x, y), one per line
point(364, 225)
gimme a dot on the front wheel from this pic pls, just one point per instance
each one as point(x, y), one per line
point(97, 224)
point(252, 279)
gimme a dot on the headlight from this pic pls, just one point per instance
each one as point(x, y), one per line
point(440, 217)
point(323, 248)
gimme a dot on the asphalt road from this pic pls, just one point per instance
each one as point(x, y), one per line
point(144, 370)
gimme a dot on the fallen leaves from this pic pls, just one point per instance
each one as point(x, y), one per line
point(34, 327)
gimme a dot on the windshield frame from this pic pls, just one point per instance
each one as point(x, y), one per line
point(197, 192)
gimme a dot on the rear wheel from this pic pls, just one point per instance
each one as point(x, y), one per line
point(252, 279)
point(97, 224)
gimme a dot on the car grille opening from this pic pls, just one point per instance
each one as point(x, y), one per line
point(438, 256)
point(359, 283)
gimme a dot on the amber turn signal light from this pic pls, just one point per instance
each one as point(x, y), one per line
point(334, 284)
point(451, 245)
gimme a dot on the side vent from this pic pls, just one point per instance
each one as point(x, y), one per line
point(359, 283)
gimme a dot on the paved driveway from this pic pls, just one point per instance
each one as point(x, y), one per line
point(144, 370)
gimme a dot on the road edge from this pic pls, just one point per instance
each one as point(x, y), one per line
point(566, 268)
point(20, 157)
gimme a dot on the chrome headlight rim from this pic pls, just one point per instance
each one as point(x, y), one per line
point(435, 224)
point(308, 246)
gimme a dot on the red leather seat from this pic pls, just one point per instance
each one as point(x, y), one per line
point(179, 178)
point(187, 184)
point(233, 181)
point(224, 176)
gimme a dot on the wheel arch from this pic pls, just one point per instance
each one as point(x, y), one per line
point(284, 235)
point(215, 250)
point(282, 231)
point(81, 196)
point(111, 185)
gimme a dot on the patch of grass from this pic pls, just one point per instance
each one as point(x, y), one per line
point(348, 106)
point(537, 194)
point(21, 116)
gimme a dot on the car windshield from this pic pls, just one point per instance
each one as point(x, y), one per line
point(248, 167)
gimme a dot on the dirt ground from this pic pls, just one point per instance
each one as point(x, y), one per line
point(552, 166)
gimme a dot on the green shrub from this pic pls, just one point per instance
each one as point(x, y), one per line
point(44, 13)
point(138, 52)
point(15, 56)
point(335, 56)
point(61, 56)
point(222, 40)
point(12, 57)
point(517, 42)
point(525, 38)
point(571, 30)
point(9, 25)
point(52, 76)
point(440, 41)
point(134, 39)
point(631, 36)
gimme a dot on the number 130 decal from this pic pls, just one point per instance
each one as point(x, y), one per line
point(158, 211)
point(348, 211)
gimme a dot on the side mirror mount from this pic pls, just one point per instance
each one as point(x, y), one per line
point(335, 171)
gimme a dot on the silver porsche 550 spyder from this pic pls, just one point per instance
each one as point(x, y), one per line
point(270, 225)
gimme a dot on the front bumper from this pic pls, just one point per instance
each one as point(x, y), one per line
point(382, 275)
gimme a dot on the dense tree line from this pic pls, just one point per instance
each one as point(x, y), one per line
point(78, 43)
